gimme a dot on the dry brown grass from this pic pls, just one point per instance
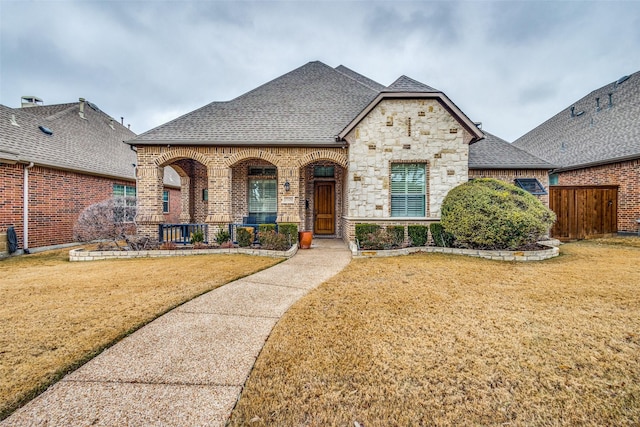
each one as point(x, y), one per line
point(431, 339)
point(56, 314)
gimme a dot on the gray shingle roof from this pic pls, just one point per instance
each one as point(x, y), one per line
point(360, 78)
point(85, 145)
point(496, 153)
point(89, 146)
point(407, 84)
point(307, 106)
point(592, 135)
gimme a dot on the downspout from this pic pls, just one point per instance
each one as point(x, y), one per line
point(25, 209)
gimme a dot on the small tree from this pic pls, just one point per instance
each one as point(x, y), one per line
point(110, 219)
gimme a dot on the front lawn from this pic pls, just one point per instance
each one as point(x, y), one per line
point(432, 339)
point(56, 314)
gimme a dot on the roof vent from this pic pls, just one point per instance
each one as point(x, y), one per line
point(622, 79)
point(45, 130)
point(14, 121)
point(31, 101)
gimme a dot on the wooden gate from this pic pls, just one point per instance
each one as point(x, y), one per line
point(584, 211)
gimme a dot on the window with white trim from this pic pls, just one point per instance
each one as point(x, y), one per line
point(408, 189)
point(124, 197)
point(263, 202)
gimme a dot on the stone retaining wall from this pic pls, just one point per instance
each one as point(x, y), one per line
point(84, 255)
point(495, 255)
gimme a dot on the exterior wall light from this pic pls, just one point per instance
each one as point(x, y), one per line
point(287, 186)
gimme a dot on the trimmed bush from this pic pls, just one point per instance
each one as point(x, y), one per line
point(441, 237)
point(244, 235)
point(418, 235)
point(491, 214)
point(364, 230)
point(266, 227)
point(396, 233)
point(290, 230)
point(273, 241)
point(197, 237)
point(222, 236)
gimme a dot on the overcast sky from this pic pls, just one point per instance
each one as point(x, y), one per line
point(508, 64)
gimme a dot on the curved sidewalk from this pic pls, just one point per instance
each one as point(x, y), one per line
point(187, 367)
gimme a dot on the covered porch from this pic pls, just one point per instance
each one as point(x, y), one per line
point(222, 188)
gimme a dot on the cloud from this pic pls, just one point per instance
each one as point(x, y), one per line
point(509, 64)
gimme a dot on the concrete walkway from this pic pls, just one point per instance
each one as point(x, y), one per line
point(188, 367)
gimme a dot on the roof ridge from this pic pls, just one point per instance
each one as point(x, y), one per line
point(364, 79)
point(405, 83)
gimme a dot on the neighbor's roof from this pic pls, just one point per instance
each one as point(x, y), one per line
point(313, 105)
point(93, 145)
point(496, 153)
point(598, 132)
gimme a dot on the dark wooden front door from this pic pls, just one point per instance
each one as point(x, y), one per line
point(584, 211)
point(325, 207)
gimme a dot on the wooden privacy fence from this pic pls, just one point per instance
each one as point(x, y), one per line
point(584, 211)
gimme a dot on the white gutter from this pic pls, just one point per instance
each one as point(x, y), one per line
point(25, 209)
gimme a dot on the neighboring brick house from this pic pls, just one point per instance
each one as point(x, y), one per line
point(64, 158)
point(322, 147)
point(596, 141)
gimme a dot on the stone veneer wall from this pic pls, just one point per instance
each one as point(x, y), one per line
point(403, 131)
point(626, 175)
point(508, 175)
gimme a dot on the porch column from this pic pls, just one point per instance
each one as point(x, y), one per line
point(219, 204)
point(289, 201)
point(185, 194)
point(149, 188)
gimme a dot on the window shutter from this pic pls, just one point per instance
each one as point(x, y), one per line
point(408, 189)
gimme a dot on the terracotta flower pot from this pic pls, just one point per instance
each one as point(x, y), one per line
point(304, 239)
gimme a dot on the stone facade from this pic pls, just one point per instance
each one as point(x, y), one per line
point(626, 175)
point(403, 131)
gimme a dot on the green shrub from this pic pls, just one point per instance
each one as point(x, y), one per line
point(490, 214)
point(441, 237)
point(222, 236)
point(266, 227)
point(364, 230)
point(418, 235)
point(273, 241)
point(197, 237)
point(244, 235)
point(290, 230)
point(396, 233)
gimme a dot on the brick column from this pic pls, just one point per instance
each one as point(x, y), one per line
point(149, 200)
point(185, 194)
point(219, 205)
point(289, 201)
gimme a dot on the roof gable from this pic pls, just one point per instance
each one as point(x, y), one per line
point(602, 127)
point(407, 84)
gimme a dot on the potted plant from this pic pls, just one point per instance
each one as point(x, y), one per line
point(305, 238)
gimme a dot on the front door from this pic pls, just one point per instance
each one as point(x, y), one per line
point(325, 206)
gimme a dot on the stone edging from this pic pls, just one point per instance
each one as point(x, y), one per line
point(540, 255)
point(84, 255)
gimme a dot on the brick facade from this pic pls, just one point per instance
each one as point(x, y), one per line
point(509, 175)
point(626, 175)
point(56, 199)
